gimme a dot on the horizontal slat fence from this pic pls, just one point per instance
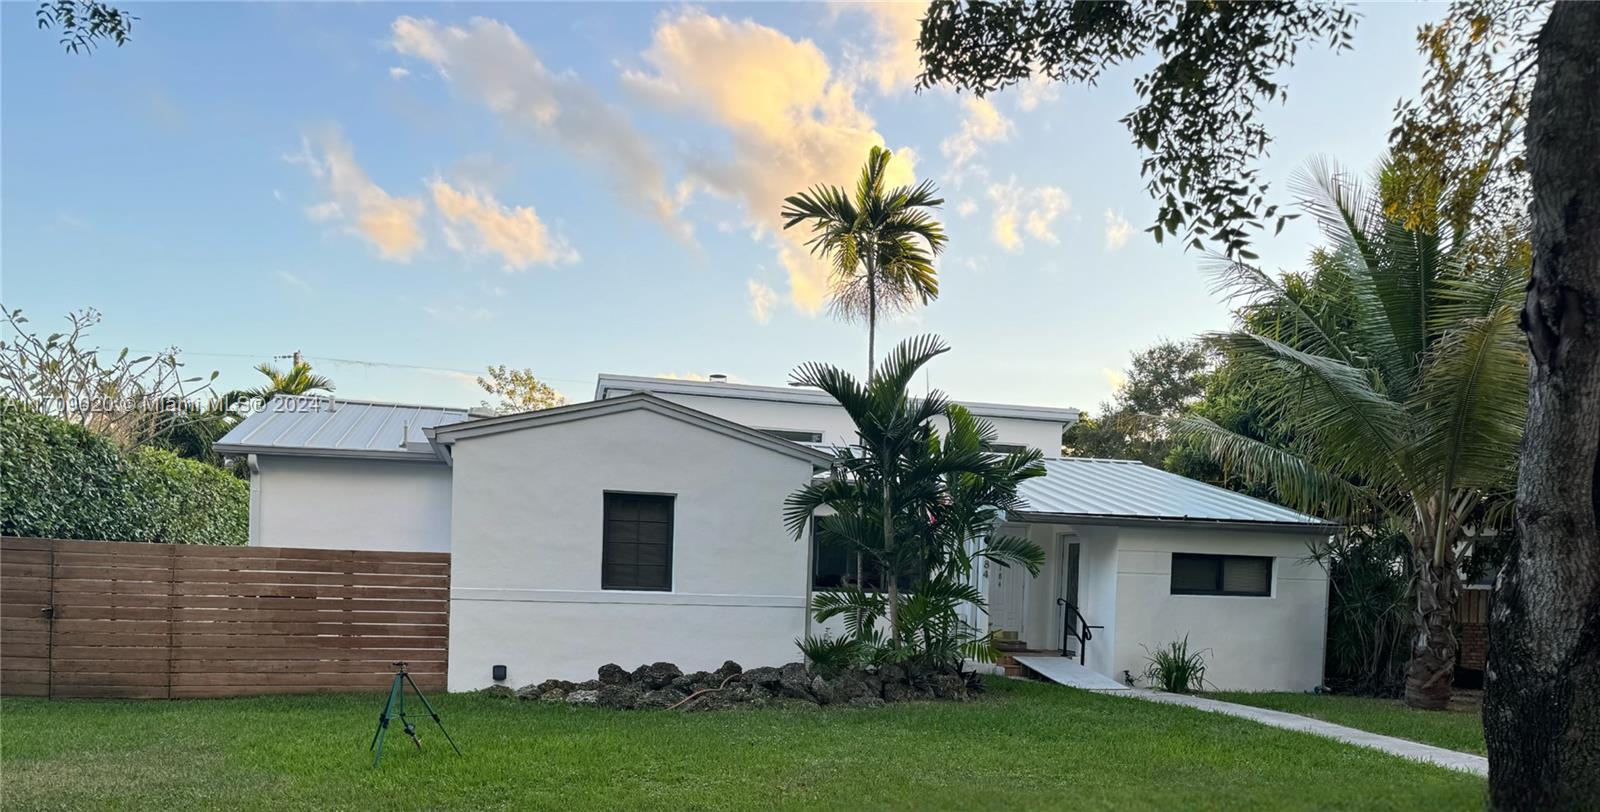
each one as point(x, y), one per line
point(120, 619)
point(24, 625)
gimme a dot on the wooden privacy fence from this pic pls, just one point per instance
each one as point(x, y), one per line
point(1472, 616)
point(121, 619)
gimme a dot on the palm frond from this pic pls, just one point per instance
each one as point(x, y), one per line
point(1305, 329)
point(1473, 401)
point(1298, 482)
point(1333, 403)
point(906, 359)
point(1007, 551)
point(859, 608)
point(1339, 202)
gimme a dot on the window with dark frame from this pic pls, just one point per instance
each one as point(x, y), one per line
point(1006, 448)
point(835, 565)
point(1240, 575)
point(636, 543)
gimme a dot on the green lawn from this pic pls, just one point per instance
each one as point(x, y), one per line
point(1024, 746)
point(1455, 729)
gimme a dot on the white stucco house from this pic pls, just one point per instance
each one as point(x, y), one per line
point(646, 525)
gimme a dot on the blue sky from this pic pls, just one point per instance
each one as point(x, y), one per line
point(593, 188)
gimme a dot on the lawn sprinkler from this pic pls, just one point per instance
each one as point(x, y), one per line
point(396, 708)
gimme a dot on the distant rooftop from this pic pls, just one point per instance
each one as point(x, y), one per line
point(1105, 491)
point(332, 427)
point(610, 386)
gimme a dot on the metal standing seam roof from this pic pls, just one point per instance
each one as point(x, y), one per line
point(1107, 490)
point(330, 427)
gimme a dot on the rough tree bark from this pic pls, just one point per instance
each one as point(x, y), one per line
point(1431, 671)
point(1542, 710)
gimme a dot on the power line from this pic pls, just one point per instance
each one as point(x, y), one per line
point(328, 359)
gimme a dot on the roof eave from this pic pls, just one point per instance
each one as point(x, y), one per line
point(447, 435)
point(1100, 519)
point(325, 453)
point(607, 384)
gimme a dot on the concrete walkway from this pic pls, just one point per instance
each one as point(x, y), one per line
point(1464, 762)
point(1066, 672)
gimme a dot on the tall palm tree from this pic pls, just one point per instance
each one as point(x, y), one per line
point(1406, 404)
point(880, 241)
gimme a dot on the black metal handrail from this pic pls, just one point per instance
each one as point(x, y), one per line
point(1081, 630)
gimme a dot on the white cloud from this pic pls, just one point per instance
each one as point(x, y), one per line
point(1115, 379)
point(981, 122)
point(293, 281)
point(488, 61)
point(476, 223)
point(390, 224)
point(892, 61)
point(1036, 91)
point(398, 72)
point(791, 123)
point(1118, 230)
point(1019, 211)
point(966, 207)
point(761, 300)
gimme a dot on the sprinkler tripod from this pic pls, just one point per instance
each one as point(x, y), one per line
point(396, 707)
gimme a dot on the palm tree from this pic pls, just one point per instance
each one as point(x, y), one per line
point(910, 500)
point(881, 243)
point(299, 380)
point(1406, 401)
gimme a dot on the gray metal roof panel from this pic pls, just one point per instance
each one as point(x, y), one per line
point(1110, 489)
point(333, 427)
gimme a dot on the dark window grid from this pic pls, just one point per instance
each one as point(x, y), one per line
point(637, 544)
point(1203, 574)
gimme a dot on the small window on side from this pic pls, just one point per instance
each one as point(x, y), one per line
point(1240, 575)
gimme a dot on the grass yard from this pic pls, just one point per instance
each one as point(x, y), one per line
point(1024, 746)
point(1456, 729)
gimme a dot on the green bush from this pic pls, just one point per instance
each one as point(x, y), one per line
point(60, 480)
point(1176, 669)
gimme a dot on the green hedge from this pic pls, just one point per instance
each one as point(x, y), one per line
point(60, 480)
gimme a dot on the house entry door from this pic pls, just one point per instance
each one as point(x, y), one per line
point(1008, 592)
point(1071, 551)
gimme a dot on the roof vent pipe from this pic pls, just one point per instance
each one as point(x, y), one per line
point(718, 377)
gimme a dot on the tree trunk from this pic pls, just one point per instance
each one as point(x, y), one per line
point(1431, 671)
point(891, 574)
point(872, 318)
point(1541, 715)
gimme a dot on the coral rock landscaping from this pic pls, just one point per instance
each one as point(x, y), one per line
point(663, 685)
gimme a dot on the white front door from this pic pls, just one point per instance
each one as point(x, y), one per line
point(1008, 592)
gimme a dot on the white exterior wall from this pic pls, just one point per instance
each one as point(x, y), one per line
point(1258, 644)
point(1098, 592)
point(835, 425)
point(350, 504)
point(527, 551)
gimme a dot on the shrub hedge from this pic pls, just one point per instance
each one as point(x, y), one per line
point(60, 480)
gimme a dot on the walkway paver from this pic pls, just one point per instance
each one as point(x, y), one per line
point(1416, 751)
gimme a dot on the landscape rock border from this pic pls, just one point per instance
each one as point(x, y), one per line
point(662, 685)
